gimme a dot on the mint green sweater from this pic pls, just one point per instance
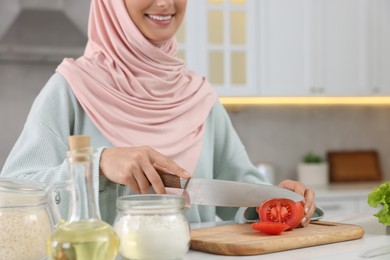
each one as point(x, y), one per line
point(40, 152)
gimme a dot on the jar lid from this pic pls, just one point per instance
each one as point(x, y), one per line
point(20, 192)
point(151, 203)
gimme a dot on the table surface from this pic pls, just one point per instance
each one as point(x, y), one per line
point(375, 237)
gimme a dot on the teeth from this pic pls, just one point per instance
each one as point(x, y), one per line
point(160, 18)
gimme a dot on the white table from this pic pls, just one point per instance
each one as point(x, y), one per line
point(375, 237)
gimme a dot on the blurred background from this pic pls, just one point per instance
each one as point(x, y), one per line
point(269, 50)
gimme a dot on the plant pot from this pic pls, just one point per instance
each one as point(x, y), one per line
point(313, 174)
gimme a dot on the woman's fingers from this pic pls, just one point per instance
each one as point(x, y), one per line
point(136, 167)
point(153, 177)
point(144, 182)
point(293, 186)
point(307, 193)
point(158, 162)
point(164, 164)
point(131, 182)
point(310, 206)
point(309, 199)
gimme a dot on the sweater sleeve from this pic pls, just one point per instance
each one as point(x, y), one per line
point(39, 154)
point(231, 161)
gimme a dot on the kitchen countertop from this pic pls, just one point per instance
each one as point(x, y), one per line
point(375, 237)
point(335, 190)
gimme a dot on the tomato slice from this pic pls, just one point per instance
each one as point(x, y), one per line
point(270, 228)
point(283, 211)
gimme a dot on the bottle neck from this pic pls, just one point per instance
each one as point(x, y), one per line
point(83, 203)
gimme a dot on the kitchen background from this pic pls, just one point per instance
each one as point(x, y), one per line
point(35, 35)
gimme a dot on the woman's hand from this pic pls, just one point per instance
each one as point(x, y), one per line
point(136, 167)
point(308, 194)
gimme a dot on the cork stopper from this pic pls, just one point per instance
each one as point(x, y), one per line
point(79, 142)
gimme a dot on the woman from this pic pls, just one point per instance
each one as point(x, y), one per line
point(143, 110)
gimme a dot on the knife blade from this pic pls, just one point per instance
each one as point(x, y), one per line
point(227, 193)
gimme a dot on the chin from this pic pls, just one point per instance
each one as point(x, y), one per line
point(160, 41)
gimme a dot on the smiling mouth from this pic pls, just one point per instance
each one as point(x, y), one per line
point(160, 17)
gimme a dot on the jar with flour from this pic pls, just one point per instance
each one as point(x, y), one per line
point(152, 227)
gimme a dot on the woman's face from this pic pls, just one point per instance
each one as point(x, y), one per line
point(158, 20)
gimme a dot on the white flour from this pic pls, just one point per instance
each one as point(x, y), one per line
point(151, 237)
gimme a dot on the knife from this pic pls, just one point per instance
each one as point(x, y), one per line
point(227, 193)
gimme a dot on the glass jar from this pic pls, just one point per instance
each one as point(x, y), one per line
point(26, 220)
point(152, 227)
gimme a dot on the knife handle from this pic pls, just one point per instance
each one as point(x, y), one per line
point(170, 180)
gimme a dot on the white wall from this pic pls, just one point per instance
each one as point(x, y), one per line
point(282, 135)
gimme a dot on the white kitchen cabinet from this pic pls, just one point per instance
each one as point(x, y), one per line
point(290, 47)
point(315, 47)
point(219, 43)
point(282, 48)
point(379, 48)
point(353, 48)
point(324, 48)
point(339, 48)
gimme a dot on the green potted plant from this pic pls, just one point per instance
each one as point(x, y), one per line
point(313, 170)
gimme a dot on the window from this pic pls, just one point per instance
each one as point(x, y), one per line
point(217, 40)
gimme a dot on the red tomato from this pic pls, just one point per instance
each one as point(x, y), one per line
point(270, 228)
point(283, 211)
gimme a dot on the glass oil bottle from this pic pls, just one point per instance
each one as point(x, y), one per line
point(84, 236)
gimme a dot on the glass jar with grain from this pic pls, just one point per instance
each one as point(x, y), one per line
point(26, 220)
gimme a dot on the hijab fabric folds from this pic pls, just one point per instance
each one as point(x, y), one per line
point(137, 93)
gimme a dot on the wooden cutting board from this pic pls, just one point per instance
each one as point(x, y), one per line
point(241, 239)
point(352, 166)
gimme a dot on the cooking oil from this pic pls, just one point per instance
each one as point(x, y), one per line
point(83, 240)
point(84, 236)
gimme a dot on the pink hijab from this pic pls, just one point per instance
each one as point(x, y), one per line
point(137, 93)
